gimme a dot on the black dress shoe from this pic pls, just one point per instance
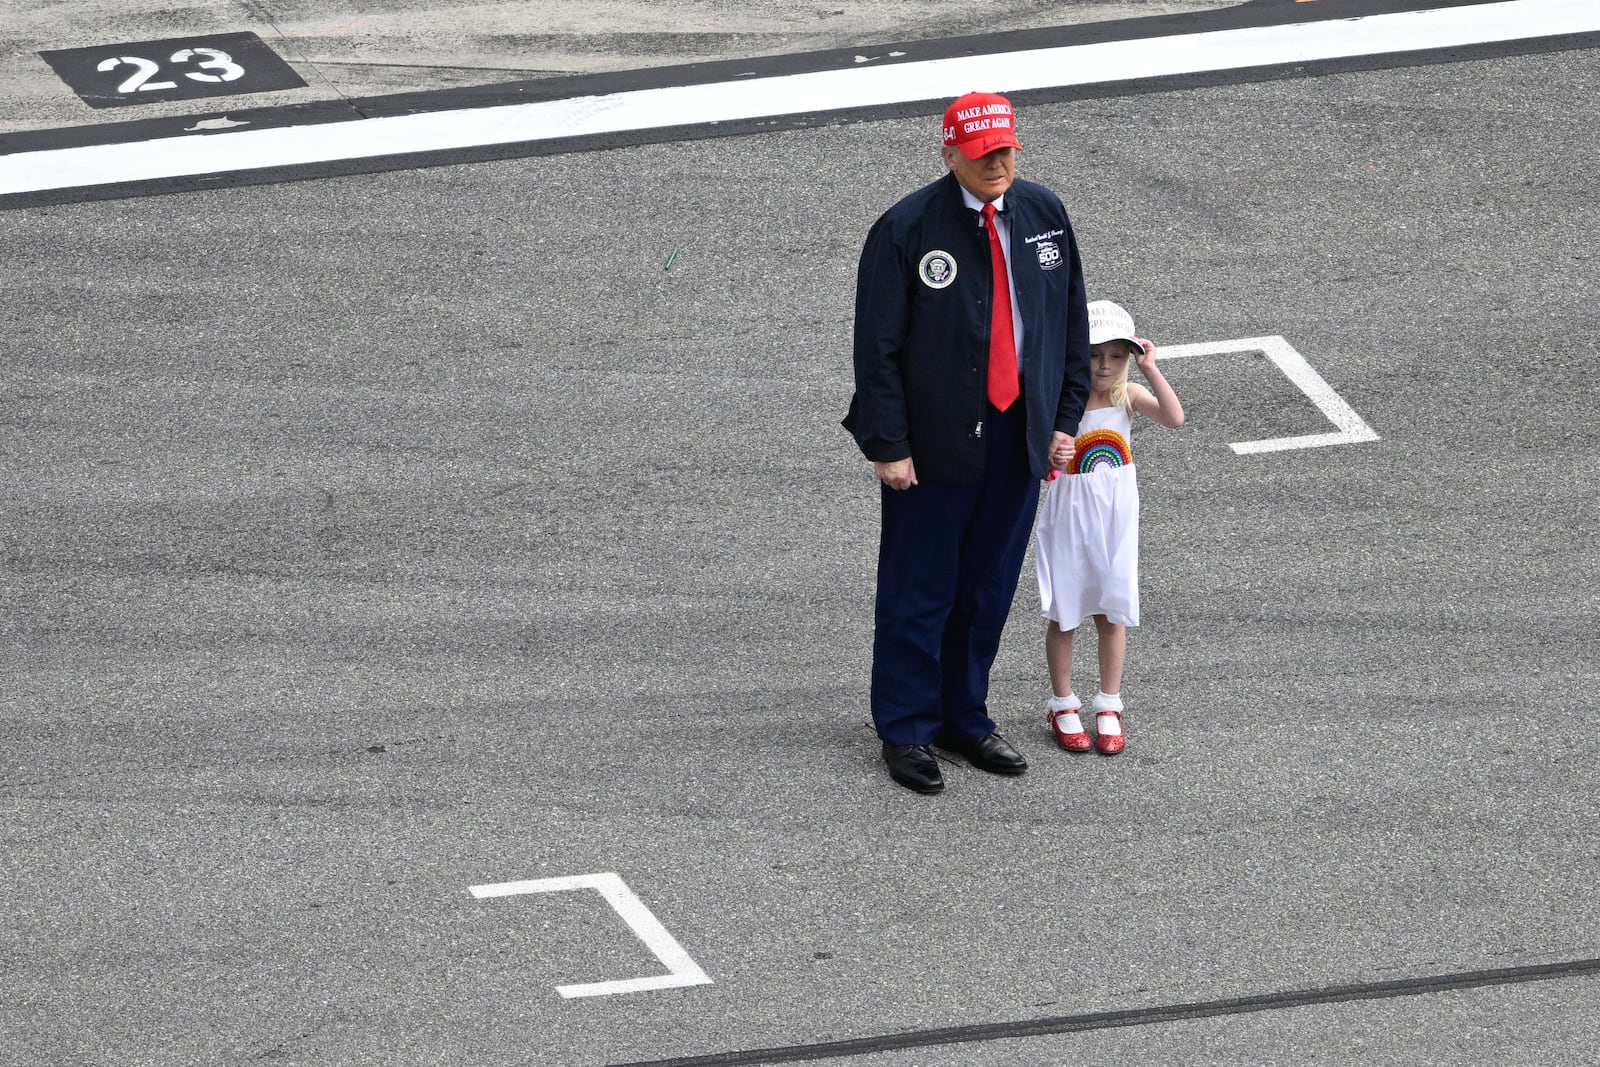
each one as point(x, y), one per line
point(993, 753)
point(914, 767)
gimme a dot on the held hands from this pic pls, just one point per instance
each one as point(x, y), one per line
point(899, 474)
point(1061, 445)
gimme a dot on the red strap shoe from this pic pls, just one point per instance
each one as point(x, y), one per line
point(1108, 744)
point(1078, 742)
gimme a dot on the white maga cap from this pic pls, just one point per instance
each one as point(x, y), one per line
point(1109, 322)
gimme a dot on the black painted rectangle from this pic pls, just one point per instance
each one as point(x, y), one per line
point(179, 68)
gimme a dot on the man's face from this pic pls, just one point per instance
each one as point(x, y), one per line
point(987, 177)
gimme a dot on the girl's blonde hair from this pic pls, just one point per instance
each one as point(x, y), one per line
point(1119, 389)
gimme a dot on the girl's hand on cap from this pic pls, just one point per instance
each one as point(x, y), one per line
point(1147, 353)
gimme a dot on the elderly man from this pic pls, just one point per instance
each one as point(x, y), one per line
point(971, 360)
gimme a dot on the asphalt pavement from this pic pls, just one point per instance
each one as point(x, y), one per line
point(373, 538)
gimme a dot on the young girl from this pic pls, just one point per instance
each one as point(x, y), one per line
point(1088, 550)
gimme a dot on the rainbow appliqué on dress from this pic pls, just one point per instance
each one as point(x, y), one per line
point(1100, 449)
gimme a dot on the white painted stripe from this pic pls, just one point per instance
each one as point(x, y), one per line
point(681, 969)
point(1352, 428)
point(841, 90)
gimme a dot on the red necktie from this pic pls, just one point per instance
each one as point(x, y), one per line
point(1002, 343)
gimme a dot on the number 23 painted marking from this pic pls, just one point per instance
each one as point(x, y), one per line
point(144, 70)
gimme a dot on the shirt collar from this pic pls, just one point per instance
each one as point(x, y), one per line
point(975, 204)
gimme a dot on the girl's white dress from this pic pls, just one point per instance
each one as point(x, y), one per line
point(1088, 535)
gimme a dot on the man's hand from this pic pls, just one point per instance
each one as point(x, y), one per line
point(1060, 450)
point(899, 474)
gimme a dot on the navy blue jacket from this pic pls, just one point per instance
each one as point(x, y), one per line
point(922, 336)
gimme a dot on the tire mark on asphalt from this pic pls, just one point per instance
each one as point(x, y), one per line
point(1106, 1020)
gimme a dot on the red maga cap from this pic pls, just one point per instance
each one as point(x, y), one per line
point(978, 123)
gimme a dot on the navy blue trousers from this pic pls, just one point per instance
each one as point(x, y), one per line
point(949, 557)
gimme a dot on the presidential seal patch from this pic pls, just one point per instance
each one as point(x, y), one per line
point(937, 269)
point(1049, 255)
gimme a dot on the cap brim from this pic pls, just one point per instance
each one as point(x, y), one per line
point(1100, 339)
point(979, 147)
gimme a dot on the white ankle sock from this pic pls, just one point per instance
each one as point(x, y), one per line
point(1107, 724)
point(1069, 723)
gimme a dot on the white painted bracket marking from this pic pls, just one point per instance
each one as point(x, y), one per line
point(1352, 428)
point(681, 970)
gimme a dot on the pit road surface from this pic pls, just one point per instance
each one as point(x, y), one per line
point(372, 538)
